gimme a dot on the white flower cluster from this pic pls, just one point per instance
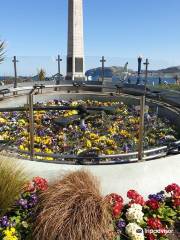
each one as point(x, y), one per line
point(134, 213)
point(134, 231)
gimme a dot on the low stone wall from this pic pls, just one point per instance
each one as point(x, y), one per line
point(145, 177)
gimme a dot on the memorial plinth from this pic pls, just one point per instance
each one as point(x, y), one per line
point(75, 52)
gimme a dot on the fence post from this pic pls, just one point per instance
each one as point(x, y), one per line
point(141, 128)
point(31, 125)
point(15, 61)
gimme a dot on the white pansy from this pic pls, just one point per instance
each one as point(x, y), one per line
point(134, 231)
point(136, 206)
point(134, 213)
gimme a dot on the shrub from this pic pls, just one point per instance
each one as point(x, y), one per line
point(12, 180)
point(72, 209)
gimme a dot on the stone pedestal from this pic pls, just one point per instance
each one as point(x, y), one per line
point(107, 84)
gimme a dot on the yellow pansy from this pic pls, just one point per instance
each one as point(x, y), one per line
point(2, 120)
point(48, 151)
point(88, 144)
point(70, 113)
point(110, 142)
point(47, 141)
point(37, 139)
point(21, 147)
point(109, 152)
point(10, 234)
point(124, 133)
point(38, 150)
point(93, 136)
point(21, 122)
point(112, 130)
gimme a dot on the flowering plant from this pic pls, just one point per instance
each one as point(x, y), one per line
point(37, 184)
point(138, 219)
point(152, 219)
point(116, 203)
point(109, 132)
point(16, 224)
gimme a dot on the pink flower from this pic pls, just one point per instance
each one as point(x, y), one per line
point(40, 183)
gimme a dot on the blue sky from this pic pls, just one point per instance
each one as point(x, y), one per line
point(114, 28)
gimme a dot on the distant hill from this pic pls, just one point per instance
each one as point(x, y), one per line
point(170, 70)
point(116, 71)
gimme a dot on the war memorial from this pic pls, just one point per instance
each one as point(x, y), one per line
point(75, 132)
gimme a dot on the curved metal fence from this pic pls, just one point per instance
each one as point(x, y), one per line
point(75, 159)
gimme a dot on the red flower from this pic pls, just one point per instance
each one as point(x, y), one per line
point(115, 197)
point(153, 204)
point(116, 202)
point(132, 194)
point(150, 236)
point(176, 202)
point(154, 223)
point(136, 197)
point(117, 210)
point(163, 231)
point(40, 183)
point(172, 188)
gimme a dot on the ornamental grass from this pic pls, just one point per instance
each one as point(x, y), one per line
point(12, 180)
point(72, 209)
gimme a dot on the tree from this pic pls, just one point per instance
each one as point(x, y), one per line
point(1, 51)
point(41, 74)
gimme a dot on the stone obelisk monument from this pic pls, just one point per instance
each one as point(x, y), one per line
point(75, 51)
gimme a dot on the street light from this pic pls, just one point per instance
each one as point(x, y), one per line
point(146, 74)
point(103, 60)
point(139, 69)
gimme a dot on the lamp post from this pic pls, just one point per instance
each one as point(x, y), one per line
point(15, 71)
point(139, 69)
point(142, 113)
point(103, 60)
point(146, 74)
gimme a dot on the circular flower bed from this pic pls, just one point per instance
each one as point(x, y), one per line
point(108, 132)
